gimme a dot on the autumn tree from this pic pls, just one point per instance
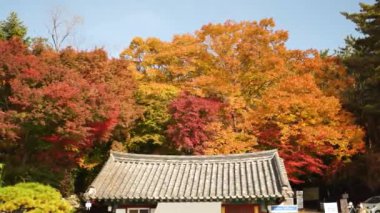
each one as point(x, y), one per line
point(311, 130)
point(191, 114)
point(329, 72)
point(224, 140)
point(245, 65)
point(113, 75)
point(148, 133)
point(54, 114)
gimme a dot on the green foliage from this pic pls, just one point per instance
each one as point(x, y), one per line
point(30, 173)
point(12, 27)
point(32, 197)
point(149, 132)
point(362, 58)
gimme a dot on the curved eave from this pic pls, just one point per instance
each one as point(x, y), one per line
point(251, 198)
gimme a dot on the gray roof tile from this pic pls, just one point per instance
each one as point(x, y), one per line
point(191, 178)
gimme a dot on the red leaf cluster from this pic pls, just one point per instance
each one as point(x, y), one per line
point(56, 106)
point(191, 114)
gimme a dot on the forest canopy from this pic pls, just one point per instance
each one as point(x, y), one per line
point(227, 88)
point(242, 90)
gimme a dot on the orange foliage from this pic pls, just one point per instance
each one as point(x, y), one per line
point(287, 99)
point(306, 125)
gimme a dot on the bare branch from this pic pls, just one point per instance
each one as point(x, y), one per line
point(61, 29)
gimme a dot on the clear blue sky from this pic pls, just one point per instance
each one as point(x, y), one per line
point(113, 23)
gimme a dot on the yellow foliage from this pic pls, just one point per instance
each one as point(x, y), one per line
point(227, 141)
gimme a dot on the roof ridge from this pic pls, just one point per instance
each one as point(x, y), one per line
point(133, 156)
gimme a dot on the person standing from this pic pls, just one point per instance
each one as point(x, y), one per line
point(351, 208)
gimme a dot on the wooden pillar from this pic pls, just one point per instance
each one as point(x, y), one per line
point(223, 209)
point(256, 209)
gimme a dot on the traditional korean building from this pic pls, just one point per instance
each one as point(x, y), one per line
point(135, 183)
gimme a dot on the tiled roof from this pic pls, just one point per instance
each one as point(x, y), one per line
point(135, 177)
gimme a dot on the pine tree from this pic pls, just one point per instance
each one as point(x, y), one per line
point(362, 58)
point(12, 27)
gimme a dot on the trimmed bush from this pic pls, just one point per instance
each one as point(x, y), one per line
point(32, 198)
